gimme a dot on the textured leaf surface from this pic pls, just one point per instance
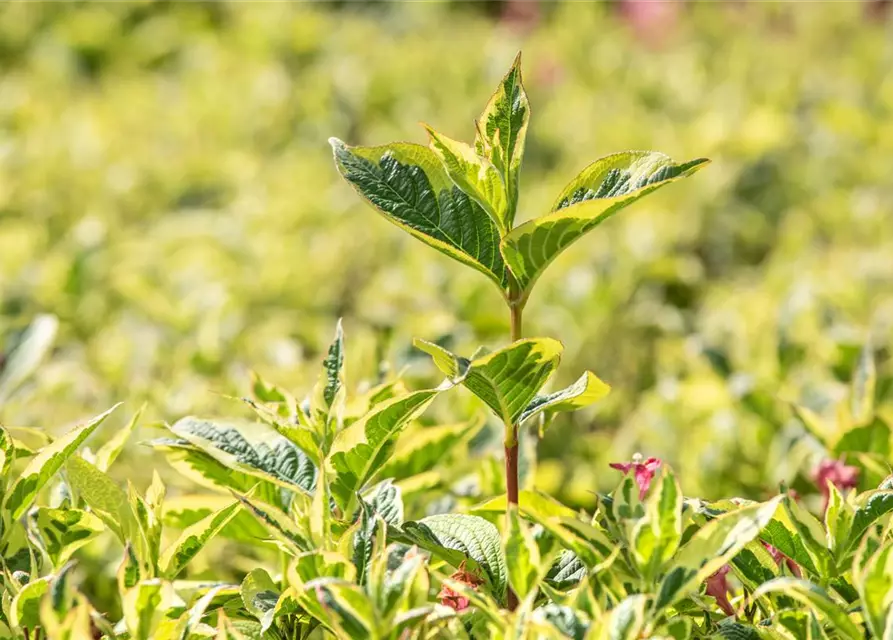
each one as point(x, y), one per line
point(475, 175)
point(711, 547)
point(587, 390)
point(816, 599)
point(361, 449)
point(502, 132)
point(200, 467)
point(64, 531)
point(506, 380)
point(407, 184)
point(601, 190)
point(46, 463)
point(250, 447)
point(458, 537)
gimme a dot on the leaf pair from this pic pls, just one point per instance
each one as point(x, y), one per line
point(462, 200)
point(509, 380)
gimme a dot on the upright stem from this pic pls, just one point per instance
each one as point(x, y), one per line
point(511, 451)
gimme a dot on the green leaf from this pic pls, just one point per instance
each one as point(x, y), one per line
point(838, 521)
point(714, 545)
point(7, 455)
point(811, 534)
point(601, 190)
point(476, 176)
point(103, 495)
point(111, 448)
point(193, 463)
point(506, 380)
point(870, 507)
point(64, 531)
point(387, 501)
point(287, 535)
point(193, 539)
point(46, 463)
point(657, 536)
point(408, 185)
point(143, 606)
point(875, 585)
point(260, 595)
point(421, 447)
point(191, 620)
point(816, 599)
point(252, 448)
point(360, 450)
point(587, 390)
point(522, 556)
point(782, 535)
point(502, 131)
point(183, 511)
point(343, 607)
point(531, 503)
point(24, 355)
point(626, 621)
point(328, 396)
point(25, 609)
point(458, 537)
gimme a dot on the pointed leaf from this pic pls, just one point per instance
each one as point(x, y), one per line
point(458, 537)
point(657, 536)
point(111, 448)
point(64, 531)
point(522, 557)
point(407, 184)
point(506, 380)
point(46, 463)
point(601, 190)
point(587, 390)
point(362, 448)
point(252, 448)
point(711, 547)
point(475, 175)
point(875, 585)
point(817, 600)
point(193, 539)
point(502, 132)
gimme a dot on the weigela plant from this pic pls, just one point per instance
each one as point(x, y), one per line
point(322, 505)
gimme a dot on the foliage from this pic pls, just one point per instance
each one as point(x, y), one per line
point(355, 509)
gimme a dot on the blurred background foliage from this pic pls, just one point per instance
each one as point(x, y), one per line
point(166, 191)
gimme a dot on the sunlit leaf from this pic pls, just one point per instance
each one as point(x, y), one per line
point(601, 190)
point(407, 184)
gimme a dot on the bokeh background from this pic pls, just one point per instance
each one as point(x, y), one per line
point(167, 192)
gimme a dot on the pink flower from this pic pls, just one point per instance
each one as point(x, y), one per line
point(837, 473)
point(780, 558)
point(718, 588)
point(455, 600)
point(643, 471)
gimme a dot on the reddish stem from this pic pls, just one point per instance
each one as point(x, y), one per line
point(511, 454)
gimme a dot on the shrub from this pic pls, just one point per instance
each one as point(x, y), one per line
point(318, 491)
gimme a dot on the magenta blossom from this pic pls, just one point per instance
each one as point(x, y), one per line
point(643, 471)
point(718, 588)
point(837, 473)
